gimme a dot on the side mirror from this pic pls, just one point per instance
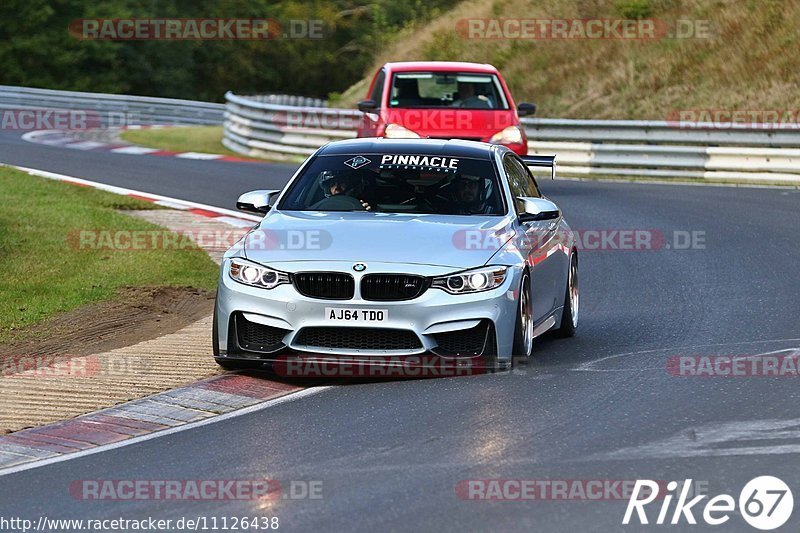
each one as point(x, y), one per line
point(535, 209)
point(525, 109)
point(257, 202)
point(367, 106)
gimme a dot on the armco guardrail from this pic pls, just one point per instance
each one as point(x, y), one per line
point(262, 129)
point(292, 126)
point(665, 149)
point(656, 149)
point(661, 132)
point(114, 109)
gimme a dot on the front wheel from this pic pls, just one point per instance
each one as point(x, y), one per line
point(569, 316)
point(523, 331)
point(214, 332)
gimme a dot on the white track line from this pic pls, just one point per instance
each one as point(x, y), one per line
point(122, 190)
point(198, 155)
point(32, 135)
point(136, 150)
point(173, 205)
point(165, 432)
point(85, 145)
point(134, 440)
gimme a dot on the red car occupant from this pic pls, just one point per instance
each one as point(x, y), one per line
point(443, 100)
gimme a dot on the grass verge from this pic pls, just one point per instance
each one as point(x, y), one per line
point(205, 139)
point(44, 272)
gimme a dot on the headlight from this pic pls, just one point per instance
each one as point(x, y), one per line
point(480, 279)
point(256, 275)
point(395, 131)
point(510, 135)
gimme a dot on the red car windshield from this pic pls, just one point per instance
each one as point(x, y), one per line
point(447, 89)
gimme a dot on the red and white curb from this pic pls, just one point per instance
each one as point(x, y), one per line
point(207, 401)
point(70, 139)
point(227, 216)
point(202, 403)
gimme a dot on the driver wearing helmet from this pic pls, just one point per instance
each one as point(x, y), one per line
point(335, 183)
point(469, 194)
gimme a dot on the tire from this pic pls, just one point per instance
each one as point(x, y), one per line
point(569, 315)
point(491, 362)
point(214, 332)
point(523, 329)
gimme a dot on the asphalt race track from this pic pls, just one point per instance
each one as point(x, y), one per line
point(214, 184)
point(601, 406)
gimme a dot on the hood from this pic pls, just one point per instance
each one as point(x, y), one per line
point(442, 240)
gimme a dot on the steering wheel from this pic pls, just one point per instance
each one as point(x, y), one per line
point(339, 202)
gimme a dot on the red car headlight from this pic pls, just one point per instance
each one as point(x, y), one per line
point(510, 135)
point(396, 131)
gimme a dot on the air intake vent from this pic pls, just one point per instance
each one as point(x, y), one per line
point(479, 340)
point(325, 285)
point(392, 287)
point(255, 337)
point(358, 338)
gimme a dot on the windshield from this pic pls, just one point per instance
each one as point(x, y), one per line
point(397, 183)
point(446, 89)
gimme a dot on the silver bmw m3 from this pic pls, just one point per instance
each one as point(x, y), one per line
point(399, 248)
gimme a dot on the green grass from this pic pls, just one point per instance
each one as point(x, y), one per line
point(748, 61)
point(42, 270)
point(205, 139)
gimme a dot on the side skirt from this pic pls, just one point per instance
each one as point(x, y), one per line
point(546, 325)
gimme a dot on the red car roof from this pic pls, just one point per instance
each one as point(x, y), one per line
point(441, 66)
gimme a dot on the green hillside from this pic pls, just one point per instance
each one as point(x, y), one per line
point(747, 59)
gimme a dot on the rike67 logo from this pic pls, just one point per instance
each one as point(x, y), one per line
point(765, 502)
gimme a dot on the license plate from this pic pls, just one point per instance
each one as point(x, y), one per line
point(353, 316)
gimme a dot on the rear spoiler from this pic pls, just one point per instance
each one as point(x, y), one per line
point(548, 161)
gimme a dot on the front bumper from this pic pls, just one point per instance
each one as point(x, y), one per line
point(281, 321)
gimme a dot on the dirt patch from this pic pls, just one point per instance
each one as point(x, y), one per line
point(135, 314)
point(140, 342)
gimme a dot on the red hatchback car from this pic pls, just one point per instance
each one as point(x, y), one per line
point(443, 100)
